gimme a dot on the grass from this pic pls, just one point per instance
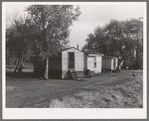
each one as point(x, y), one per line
point(109, 90)
point(120, 96)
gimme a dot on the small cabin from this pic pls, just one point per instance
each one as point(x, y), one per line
point(59, 65)
point(109, 63)
point(94, 63)
point(71, 59)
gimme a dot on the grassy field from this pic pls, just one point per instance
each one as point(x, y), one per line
point(110, 90)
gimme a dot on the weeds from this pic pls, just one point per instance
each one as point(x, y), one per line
point(121, 96)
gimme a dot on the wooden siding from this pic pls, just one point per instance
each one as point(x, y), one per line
point(91, 66)
point(99, 64)
point(90, 62)
point(108, 63)
point(112, 63)
point(116, 64)
point(78, 59)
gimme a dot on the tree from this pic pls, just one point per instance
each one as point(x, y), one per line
point(118, 38)
point(102, 40)
point(98, 42)
point(18, 41)
point(54, 22)
point(115, 29)
point(135, 31)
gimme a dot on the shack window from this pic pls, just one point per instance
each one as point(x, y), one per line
point(95, 63)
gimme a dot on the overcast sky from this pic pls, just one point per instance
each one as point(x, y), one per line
point(91, 17)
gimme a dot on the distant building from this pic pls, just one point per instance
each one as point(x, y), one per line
point(94, 63)
point(109, 63)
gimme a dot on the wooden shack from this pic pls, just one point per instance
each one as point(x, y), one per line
point(109, 63)
point(94, 63)
point(60, 64)
point(71, 59)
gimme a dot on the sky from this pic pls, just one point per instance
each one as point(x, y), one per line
point(93, 15)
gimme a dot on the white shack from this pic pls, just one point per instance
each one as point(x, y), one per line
point(72, 58)
point(94, 63)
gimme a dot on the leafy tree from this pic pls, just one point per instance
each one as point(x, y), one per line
point(118, 38)
point(98, 42)
point(90, 42)
point(102, 44)
point(54, 22)
point(18, 41)
point(115, 30)
point(135, 32)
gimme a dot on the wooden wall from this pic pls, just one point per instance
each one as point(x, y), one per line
point(99, 64)
point(116, 63)
point(79, 61)
point(91, 66)
point(108, 63)
point(112, 64)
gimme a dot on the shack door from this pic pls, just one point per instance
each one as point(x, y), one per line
point(71, 60)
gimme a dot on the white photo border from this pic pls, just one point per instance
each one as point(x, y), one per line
point(75, 113)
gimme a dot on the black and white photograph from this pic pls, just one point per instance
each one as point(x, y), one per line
point(74, 60)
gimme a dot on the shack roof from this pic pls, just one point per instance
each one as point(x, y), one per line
point(87, 53)
point(65, 49)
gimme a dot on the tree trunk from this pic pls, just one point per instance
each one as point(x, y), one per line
point(45, 40)
point(20, 69)
point(120, 65)
point(16, 65)
point(46, 68)
point(122, 60)
point(124, 64)
point(20, 65)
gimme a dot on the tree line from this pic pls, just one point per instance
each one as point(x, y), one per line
point(122, 39)
point(43, 32)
